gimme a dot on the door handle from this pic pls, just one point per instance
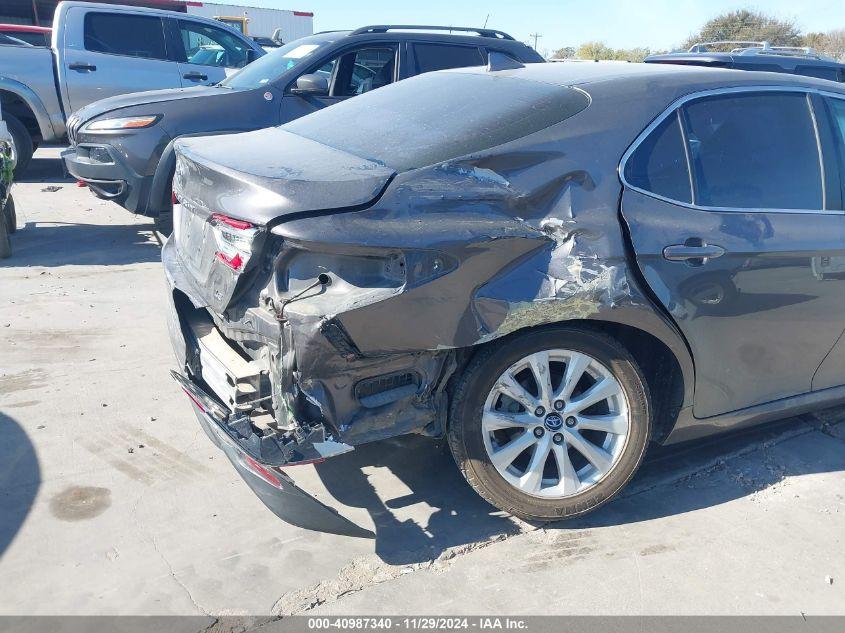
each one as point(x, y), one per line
point(195, 76)
point(82, 66)
point(692, 251)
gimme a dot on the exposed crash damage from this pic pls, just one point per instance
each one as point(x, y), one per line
point(367, 285)
point(346, 277)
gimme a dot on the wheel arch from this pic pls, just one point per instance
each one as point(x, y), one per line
point(20, 101)
point(159, 197)
point(662, 357)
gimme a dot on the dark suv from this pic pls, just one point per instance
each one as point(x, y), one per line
point(552, 266)
point(122, 147)
point(760, 56)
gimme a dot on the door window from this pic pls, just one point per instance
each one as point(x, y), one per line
point(363, 70)
point(431, 57)
point(659, 164)
point(210, 46)
point(754, 150)
point(121, 34)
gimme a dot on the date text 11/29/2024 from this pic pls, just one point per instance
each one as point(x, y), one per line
point(430, 623)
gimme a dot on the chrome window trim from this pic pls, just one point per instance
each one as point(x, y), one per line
point(693, 96)
point(683, 128)
point(812, 108)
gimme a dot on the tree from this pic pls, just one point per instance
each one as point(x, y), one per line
point(831, 43)
point(600, 51)
point(637, 54)
point(567, 52)
point(595, 50)
point(748, 26)
point(835, 44)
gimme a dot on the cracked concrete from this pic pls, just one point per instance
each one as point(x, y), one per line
point(756, 533)
point(365, 572)
point(747, 524)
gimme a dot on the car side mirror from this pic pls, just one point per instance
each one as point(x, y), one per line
point(313, 84)
point(251, 55)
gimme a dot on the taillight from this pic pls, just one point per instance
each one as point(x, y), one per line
point(261, 471)
point(234, 240)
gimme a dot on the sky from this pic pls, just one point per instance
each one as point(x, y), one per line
point(656, 24)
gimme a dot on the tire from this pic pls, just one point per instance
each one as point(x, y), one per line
point(10, 215)
point(22, 140)
point(5, 244)
point(164, 223)
point(164, 220)
point(587, 486)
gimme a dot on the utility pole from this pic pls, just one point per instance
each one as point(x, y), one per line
point(536, 36)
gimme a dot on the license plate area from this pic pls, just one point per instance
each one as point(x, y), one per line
point(194, 241)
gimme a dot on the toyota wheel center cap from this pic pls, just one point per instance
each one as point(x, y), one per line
point(553, 421)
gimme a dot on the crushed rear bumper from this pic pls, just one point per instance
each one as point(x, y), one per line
point(257, 456)
point(274, 487)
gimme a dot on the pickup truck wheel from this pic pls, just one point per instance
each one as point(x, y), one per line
point(10, 215)
point(550, 424)
point(22, 141)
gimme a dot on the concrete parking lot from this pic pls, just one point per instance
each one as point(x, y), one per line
point(113, 501)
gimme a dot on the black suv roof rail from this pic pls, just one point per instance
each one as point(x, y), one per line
point(743, 47)
point(384, 28)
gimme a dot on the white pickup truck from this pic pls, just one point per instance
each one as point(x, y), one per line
point(102, 50)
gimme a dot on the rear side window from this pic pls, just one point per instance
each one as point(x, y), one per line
point(431, 57)
point(209, 46)
point(837, 111)
point(832, 74)
point(119, 34)
point(754, 150)
point(659, 164)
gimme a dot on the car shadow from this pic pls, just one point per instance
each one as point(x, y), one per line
point(68, 244)
point(424, 508)
point(429, 508)
point(20, 479)
point(672, 480)
point(46, 169)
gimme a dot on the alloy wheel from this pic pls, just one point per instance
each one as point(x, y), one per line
point(555, 423)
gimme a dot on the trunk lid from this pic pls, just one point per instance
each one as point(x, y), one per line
point(230, 187)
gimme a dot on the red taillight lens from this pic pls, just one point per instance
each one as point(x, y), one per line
point(173, 198)
point(194, 400)
point(234, 263)
point(234, 240)
point(261, 471)
point(241, 225)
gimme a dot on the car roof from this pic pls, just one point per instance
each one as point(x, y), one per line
point(668, 75)
point(167, 13)
point(419, 35)
point(784, 61)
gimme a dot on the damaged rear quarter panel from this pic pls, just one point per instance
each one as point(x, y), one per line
point(448, 257)
point(533, 226)
point(534, 231)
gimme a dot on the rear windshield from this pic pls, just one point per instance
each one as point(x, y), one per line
point(439, 116)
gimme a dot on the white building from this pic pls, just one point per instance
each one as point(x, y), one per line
point(259, 22)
